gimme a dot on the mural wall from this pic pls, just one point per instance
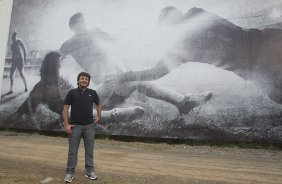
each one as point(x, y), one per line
point(203, 70)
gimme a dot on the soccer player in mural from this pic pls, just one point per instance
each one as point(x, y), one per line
point(47, 91)
point(84, 48)
point(81, 125)
point(18, 50)
point(208, 38)
point(205, 37)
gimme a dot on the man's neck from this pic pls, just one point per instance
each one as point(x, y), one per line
point(82, 88)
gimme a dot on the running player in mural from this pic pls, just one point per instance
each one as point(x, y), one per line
point(18, 50)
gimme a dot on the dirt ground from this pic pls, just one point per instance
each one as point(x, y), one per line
point(30, 158)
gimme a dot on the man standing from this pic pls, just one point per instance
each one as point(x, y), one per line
point(18, 57)
point(81, 125)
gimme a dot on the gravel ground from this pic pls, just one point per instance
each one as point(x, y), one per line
point(31, 158)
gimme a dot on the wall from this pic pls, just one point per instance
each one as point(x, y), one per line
point(5, 16)
point(208, 70)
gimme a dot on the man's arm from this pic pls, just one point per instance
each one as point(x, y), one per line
point(98, 117)
point(67, 125)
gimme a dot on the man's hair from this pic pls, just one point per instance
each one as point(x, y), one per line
point(75, 18)
point(85, 74)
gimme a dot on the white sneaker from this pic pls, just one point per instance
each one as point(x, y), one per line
point(68, 178)
point(91, 176)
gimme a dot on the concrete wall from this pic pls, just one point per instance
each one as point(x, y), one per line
point(5, 17)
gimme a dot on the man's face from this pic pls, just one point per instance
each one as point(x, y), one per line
point(83, 81)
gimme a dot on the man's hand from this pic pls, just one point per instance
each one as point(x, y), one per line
point(96, 119)
point(68, 128)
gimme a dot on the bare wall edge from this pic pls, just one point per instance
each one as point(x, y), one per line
point(5, 17)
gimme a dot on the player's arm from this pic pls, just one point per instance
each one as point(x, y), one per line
point(24, 48)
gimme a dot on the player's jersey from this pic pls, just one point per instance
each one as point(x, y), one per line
point(17, 50)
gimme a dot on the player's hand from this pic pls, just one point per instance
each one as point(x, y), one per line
point(97, 119)
point(68, 129)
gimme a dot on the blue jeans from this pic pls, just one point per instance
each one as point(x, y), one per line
point(87, 132)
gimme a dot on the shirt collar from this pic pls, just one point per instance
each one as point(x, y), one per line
point(81, 89)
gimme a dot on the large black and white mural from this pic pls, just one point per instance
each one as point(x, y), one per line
point(187, 69)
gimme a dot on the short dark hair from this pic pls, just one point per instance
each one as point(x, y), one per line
point(75, 18)
point(83, 74)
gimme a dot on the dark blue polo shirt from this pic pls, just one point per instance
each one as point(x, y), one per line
point(81, 103)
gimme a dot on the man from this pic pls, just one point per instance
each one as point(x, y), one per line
point(81, 125)
point(18, 57)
